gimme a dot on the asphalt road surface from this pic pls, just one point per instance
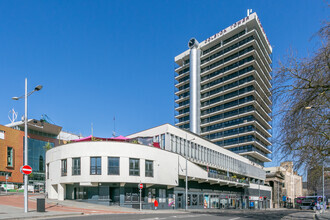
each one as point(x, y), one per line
point(259, 215)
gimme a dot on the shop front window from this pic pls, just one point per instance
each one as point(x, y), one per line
point(151, 195)
point(162, 195)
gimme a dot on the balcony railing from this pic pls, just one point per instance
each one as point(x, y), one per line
point(226, 178)
point(250, 149)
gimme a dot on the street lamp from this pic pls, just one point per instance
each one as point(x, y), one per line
point(37, 88)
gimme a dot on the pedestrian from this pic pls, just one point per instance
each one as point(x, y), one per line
point(156, 204)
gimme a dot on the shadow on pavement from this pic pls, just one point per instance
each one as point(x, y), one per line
point(273, 214)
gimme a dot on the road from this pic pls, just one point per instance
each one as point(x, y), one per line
point(219, 215)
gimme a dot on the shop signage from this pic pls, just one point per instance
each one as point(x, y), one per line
point(217, 35)
point(253, 198)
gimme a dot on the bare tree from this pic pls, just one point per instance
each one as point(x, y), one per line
point(302, 93)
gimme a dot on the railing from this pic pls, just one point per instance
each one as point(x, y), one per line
point(249, 149)
point(223, 177)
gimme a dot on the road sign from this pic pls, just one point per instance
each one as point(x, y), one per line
point(140, 186)
point(26, 169)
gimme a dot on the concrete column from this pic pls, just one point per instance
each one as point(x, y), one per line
point(61, 191)
point(194, 86)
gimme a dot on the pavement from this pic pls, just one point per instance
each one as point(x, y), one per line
point(322, 216)
point(12, 207)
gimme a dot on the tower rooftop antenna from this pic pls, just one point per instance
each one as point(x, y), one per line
point(249, 11)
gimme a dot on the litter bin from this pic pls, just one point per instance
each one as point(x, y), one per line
point(40, 204)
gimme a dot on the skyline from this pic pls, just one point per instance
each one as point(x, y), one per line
point(74, 49)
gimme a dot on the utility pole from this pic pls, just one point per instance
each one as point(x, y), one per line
point(323, 187)
point(186, 173)
point(259, 195)
point(6, 184)
point(26, 177)
point(278, 194)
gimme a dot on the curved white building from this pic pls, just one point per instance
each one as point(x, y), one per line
point(109, 172)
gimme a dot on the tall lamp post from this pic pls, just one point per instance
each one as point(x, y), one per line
point(37, 88)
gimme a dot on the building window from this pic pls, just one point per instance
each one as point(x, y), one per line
point(162, 143)
point(4, 173)
point(162, 195)
point(134, 167)
point(201, 199)
point(2, 134)
point(47, 171)
point(76, 166)
point(95, 168)
point(113, 165)
point(132, 195)
point(149, 168)
point(10, 156)
point(64, 167)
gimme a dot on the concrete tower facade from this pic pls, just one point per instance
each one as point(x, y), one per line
point(223, 89)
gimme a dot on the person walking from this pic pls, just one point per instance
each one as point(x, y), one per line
point(156, 204)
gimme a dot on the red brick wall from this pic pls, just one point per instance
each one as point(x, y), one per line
point(14, 139)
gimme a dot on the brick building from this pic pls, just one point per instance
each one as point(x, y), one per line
point(40, 133)
point(11, 154)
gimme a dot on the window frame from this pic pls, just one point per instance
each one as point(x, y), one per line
point(134, 170)
point(11, 156)
point(118, 173)
point(92, 167)
point(76, 171)
point(148, 172)
point(64, 167)
point(2, 135)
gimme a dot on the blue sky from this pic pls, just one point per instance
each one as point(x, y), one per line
point(100, 59)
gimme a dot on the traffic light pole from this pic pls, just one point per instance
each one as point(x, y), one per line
point(140, 201)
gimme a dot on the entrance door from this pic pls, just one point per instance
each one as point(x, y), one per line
point(180, 200)
point(114, 195)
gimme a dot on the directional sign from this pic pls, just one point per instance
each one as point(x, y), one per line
point(26, 169)
point(141, 186)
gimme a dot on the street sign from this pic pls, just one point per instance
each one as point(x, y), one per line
point(26, 169)
point(140, 186)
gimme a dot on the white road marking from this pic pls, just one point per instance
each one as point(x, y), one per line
point(234, 218)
